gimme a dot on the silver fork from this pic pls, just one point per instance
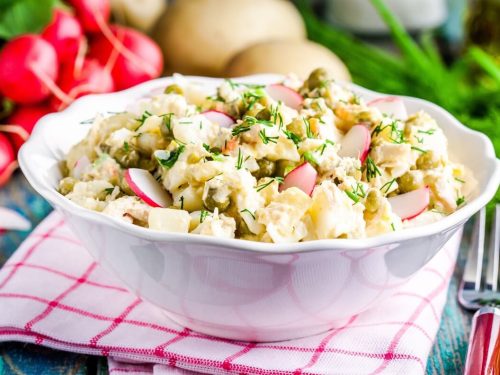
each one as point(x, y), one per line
point(474, 294)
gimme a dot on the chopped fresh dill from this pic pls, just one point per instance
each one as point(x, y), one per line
point(88, 121)
point(419, 140)
point(460, 180)
point(393, 227)
point(359, 190)
point(239, 84)
point(203, 215)
point(308, 156)
point(266, 139)
point(418, 149)
point(292, 136)
point(126, 146)
point(143, 118)
point(215, 98)
point(371, 169)
point(109, 190)
point(460, 201)
point(167, 120)
point(387, 186)
point(324, 145)
point(186, 122)
point(264, 185)
point(251, 120)
point(252, 96)
point(239, 162)
point(351, 195)
point(169, 158)
point(324, 83)
point(428, 132)
point(396, 136)
point(276, 117)
point(248, 212)
point(308, 127)
point(215, 153)
point(242, 128)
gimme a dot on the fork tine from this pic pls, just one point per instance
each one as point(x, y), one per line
point(494, 252)
point(474, 263)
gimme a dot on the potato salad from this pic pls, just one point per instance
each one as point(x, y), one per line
point(286, 162)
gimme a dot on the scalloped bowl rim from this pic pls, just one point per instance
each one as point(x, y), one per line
point(56, 199)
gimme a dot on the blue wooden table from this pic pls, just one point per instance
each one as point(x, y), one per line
point(447, 355)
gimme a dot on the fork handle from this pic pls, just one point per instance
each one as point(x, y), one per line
point(483, 355)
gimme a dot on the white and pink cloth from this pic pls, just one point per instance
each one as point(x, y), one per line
point(53, 293)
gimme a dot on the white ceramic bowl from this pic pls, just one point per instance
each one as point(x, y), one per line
point(245, 290)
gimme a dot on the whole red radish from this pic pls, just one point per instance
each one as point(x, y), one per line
point(133, 56)
point(8, 161)
point(93, 78)
point(28, 67)
point(92, 13)
point(22, 121)
point(65, 34)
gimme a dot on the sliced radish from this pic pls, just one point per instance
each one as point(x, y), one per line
point(411, 204)
point(392, 106)
point(288, 96)
point(356, 143)
point(147, 188)
point(8, 161)
point(11, 220)
point(81, 166)
point(220, 118)
point(302, 177)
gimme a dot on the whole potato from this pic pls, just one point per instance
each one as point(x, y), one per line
point(140, 14)
point(283, 57)
point(200, 36)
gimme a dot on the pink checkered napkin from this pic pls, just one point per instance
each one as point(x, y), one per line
point(53, 293)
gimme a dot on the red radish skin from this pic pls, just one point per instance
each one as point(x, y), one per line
point(392, 106)
point(409, 205)
point(65, 34)
point(144, 185)
point(11, 220)
point(28, 65)
point(91, 12)
point(8, 162)
point(356, 143)
point(22, 121)
point(92, 79)
point(302, 177)
point(288, 96)
point(220, 118)
point(132, 57)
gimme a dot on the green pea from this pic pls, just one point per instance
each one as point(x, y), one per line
point(317, 78)
point(428, 160)
point(66, 185)
point(283, 167)
point(127, 158)
point(211, 204)
point(407, 182)
point(373, 200)
point(264, 114)
point(173, 89)
point(267, 168)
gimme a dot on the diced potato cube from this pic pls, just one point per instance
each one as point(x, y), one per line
point(169, 220)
